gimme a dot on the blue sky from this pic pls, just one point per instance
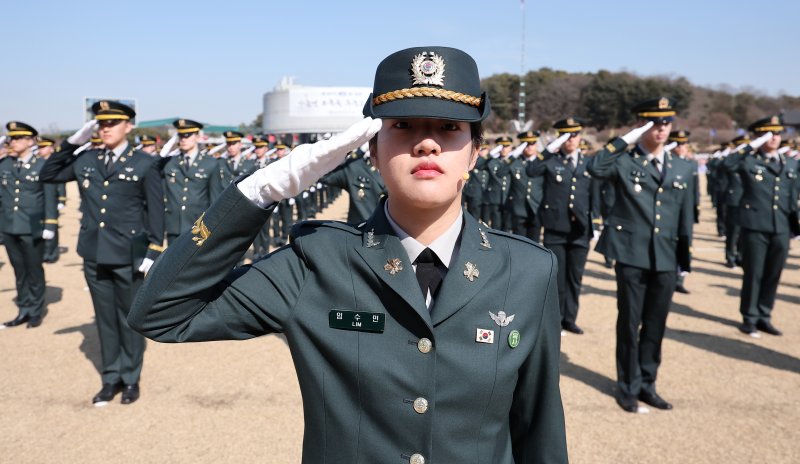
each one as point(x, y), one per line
point(212, 61)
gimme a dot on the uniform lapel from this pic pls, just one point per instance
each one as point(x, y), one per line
point(123, 159)
point(380, 248)
point(462, 283)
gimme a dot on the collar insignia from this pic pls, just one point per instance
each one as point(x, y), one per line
point(393, 266)
point(471, 271)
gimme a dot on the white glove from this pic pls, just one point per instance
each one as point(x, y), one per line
point(48, 234)
point(217, 148)
point(634, 135)
point(270, 151)
point(83, 134)
point(756, 144)
point(246, 153)
point(495, 152)
point(275, 211)
point(726, 152)
point(319, 185)
point(61, 206)
point(555, 145)
point(83, 147)
point(2, 139)
point(290, 175)
point(595, 235)
point(167, 148)
point(784, 150)
point(305, 194)
point(671, 146)
point(312, 189)
point(518, 151)
point(146, 265)
point(291, 202)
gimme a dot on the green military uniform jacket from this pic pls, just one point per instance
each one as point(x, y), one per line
point(228, 173)
point(476, 184)
point(123, 210)
point(770, 191)
point(650, 224)
point(189, 192)
point(363, 184)
point(408, 381)
point(525, 193)
point(27, 207)
point(498, 182)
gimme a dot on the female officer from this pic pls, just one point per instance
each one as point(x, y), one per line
point(418, 336)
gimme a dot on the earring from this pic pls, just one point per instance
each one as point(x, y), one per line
point(465, 175)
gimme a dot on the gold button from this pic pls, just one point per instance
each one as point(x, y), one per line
point(16, 182)
point(658, 202)
point(658, 217)
point(777, 197)
point(17, 190)
point(16, 208)
point(572, 187)
point(619, 227)
point(570, 205)
point(774, 206)
point(16, 199)
point(416, 458)
point(777, 188)
point(105, 183)
point(183, 207)
point(572, 197)
point(421, 405)
point(102, 211)
point(424, 345)
point(186, 179)
point(104, 197)
point(186, 189)
point(574, 179)
point(183, 199)
point(777, 179)
point(657, 230)
point(660, 189)
point(102, 224)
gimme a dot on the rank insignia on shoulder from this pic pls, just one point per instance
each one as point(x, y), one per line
point(200, 231)
point(484, 336)
point(371, 242)
point(484, 239)
point(610, 147)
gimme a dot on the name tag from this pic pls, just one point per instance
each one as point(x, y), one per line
point(356, 320)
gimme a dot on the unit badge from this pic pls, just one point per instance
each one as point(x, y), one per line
point(427, 68)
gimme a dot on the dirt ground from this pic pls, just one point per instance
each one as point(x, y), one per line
point(735, 397)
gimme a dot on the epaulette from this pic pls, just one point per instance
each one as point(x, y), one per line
point(306, 227)
point(520, 238)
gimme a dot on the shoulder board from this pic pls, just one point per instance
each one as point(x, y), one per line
point(520, 238)
point(306, 227)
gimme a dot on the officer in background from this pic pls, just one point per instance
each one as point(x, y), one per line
point(525, 194)
point(236, 165)
point(148, 143)
point(191, 180)
point(718, 186)
point(122, 233)
point(363, 183)
point(29, 219)
point(499, 181)
point(283, 214)
point(566, 212)
point(730, 199)
point(473, 189)
point(262, 241)
point(648, 233)
point(768, 216)
point(52, 250)
point(683, 151)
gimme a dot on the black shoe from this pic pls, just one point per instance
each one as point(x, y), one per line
point(34, 322)
point(681, 289)
point(608, 264)
point(655, 401)
point(130, 393)
point(730, 264)
point(767, 327)
point(628, 403)
point(106, 394)
point(572, 327)
point(19, 320)
point(747, 328)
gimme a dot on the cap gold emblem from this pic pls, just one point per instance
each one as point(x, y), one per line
point(181, 122)
point(12, 125)
point(775, 120)
point(104, 105)
point(663, 104)
point(427, 68)
point(570, 122)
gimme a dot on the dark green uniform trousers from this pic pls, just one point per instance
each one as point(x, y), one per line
point(571, 264)
point(732, 232)
point(643, 300)
point(122, 349)
point(25, 254)
point(763, 257)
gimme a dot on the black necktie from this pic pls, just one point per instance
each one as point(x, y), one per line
point(428, 274)
point(659, 168)
point(186, 162)
point(109, 160)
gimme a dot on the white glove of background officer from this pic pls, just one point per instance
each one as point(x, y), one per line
point(756, 144)
point(48, 234)
point(292, 174)
point(555, 145)
point(146, 265)
point(634, 135)
point(83, 134)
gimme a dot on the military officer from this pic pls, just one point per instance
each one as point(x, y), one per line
point(683, 151)
point(525, 193)
point(282, 216)
point(567, 210)
point(148, 143)
point(236, 164)
point(363, 183)
point(648, 233)
point(473, 190)
point(498, 183)
point(399, 317)
point(730, 200)
point(29, 219)
point(768, 216)
point(51, 249)
point(191, 180)
point(122, 233)
point(718, 186)
point(262, 241)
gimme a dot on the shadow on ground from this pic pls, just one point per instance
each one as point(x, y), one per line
point(90, 345)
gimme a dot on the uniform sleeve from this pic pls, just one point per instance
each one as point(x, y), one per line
point(51, 207)
point(62, 193)
point(536, 168)
point(192, 293)
point(537, 416)
point(154, 195)
point(216, 186)
point(58, 167)
point(735, 161)
point(337, 177)
point(604, 164)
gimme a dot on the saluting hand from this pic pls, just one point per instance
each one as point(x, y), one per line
point(165, 150)
point(48, 234)
point(83, 134)
point(634, 135)
point(756, 144)
point(147, 263)
point(555, 145)
point(292, 174)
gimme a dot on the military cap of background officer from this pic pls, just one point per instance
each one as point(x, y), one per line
point(146, 140)
point(503, 140)
point(95, 138)
point(233, 136)
point(528, 136)
point(680, 136)
point(769, 124)
point(569, 125)
point(20, 129)
point(187, 126)
point(260, 141)
point(660, 110)
point(484, 145)
point(428, 82)
point(109, 110)
point(45, 142)
point(739, 140)
point(585, 146)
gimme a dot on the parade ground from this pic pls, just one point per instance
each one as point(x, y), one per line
point(735, 397)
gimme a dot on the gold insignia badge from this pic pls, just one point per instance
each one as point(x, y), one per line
point(393, 265)
point(471, 271)
point(775, 120)
point(637, 188)
point(104, 106)
point(663, 104)
point(361, 194)
point(200, 231)
point(12, 125)
point(610, 147)
point(570, 122)
point(181, 123)
point(427, 68)
point(371, 242)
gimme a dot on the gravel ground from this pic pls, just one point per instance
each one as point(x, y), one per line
point(735, 397)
